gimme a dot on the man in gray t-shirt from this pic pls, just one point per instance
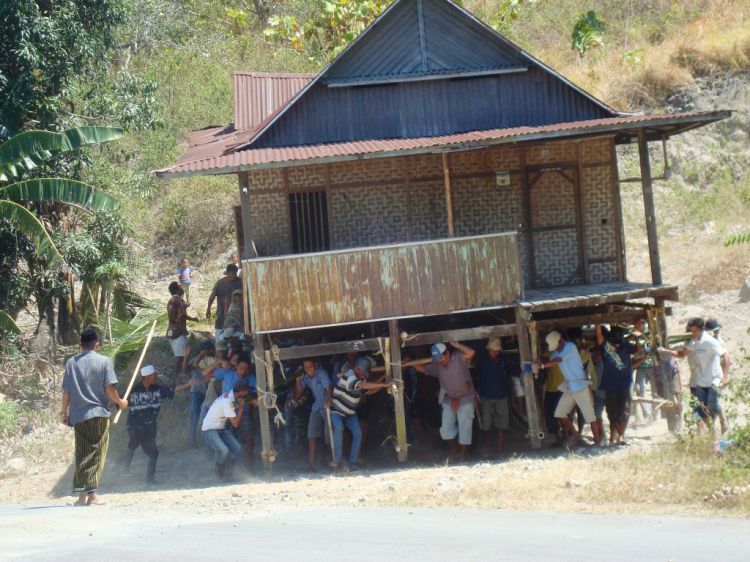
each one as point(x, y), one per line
point(452, 370)
point(88, 386)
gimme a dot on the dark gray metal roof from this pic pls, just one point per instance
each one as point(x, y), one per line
point(422, 38)
point(426, 67)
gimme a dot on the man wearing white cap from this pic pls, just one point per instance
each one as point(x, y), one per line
point(144, 404)
point(452, 370)
point(575, 389)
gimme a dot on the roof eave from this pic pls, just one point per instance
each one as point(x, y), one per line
point(693, 121)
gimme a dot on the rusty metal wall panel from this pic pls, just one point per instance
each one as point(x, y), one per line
point(357, 285)
point(258, 94)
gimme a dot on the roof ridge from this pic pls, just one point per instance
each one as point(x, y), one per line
point(260, 74)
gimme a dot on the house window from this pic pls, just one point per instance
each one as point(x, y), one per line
point(309, 221)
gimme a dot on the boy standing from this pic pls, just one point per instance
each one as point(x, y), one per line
point(184, 273)
point(144, 404)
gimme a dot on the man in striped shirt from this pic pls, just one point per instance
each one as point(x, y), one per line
point(346, 398)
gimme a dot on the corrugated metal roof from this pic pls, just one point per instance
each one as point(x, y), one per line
point(461, 41)
point(418, 39)
point(257, 95)
point(221, 156)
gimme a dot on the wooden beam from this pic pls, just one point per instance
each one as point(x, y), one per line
point(526, 218)
point(648, 204)
point(622, 270)
point(245, 248)
point(524, 348)
point(580, 216)
point(462, 334)
point(402, 446)
point(448, 196)
point(262, 375)
point(614, 317)
point(334, 348)
point(245, 209)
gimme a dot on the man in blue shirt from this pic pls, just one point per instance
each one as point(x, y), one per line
point(221, 372)
point(617, 379)
point(575, 389)
point(317, 381)
point(493, 392)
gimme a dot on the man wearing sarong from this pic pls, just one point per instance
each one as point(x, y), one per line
point(88, 385)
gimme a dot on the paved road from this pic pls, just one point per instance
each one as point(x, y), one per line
point(382, 534)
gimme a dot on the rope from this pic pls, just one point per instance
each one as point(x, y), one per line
point(276, 354)
point(405, 337)
point(268, 400)
point(258, 358)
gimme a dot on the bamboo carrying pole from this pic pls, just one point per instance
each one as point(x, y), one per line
point(137, 369)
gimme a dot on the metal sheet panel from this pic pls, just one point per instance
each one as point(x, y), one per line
point(257, 95)
point(402, 280)
point(427, 108)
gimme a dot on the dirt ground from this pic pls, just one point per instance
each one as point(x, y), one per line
point(650, 475)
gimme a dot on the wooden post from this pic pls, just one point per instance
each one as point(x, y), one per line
point(648, 204)
point(262, 376)
point(448, 195)
point(580, 216)
point(524, 348)
point(245, 209)
point(402, 447)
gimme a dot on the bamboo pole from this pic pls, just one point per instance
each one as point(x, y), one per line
point(394, 336)
point(137, 369)
point(448, 196)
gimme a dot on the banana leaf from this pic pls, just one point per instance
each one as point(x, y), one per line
point(130, 336)
point(7, 324)
point(25, 151)
point(25, 221)
point(59, 190)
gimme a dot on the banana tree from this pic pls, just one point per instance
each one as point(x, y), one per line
point(25, 152)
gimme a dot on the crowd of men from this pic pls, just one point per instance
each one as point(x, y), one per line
point(457, 392)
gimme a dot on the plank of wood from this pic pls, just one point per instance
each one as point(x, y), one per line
point(524, 348)
point(402, 446)
point(268, 453)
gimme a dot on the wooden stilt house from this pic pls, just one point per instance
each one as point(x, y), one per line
point(434, 182)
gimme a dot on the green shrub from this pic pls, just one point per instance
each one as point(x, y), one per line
point(9, 414)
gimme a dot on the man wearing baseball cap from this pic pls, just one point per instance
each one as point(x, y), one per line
point(617, 378)
point(144, 404)
point(493, 392)
point(575, 389)
point(711, 363)
point(452, 370)
point(345, 400)
point(89, 384)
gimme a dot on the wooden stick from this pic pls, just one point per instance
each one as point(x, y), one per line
point(330, 434)
point(137, 369)
point(404, 365)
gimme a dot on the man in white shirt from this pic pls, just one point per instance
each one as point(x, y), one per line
point(226, 408)
point(710, 364)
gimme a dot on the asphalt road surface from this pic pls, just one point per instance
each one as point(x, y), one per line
point(382, 534)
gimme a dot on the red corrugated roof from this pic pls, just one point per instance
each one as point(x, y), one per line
point(258, 95)
point(212, 151)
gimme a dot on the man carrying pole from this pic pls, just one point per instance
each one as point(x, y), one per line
point(88, 385)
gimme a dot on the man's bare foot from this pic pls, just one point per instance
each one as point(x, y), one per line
point(94, 499)
point(81, 500)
